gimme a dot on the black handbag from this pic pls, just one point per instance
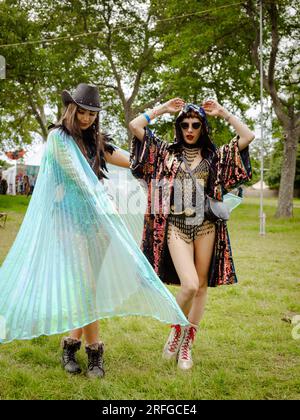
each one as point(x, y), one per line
point(214, 210)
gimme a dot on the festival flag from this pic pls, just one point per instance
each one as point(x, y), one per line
point(15, 155)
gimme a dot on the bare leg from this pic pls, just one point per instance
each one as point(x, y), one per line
point(76, 334)
point(91, 333)
point(182, 255)
point(203, 246)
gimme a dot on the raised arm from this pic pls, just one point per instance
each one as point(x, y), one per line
point(214, 109)
point(137, 125)
point(118, 158)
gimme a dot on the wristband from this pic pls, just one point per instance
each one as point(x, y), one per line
point(147, 117)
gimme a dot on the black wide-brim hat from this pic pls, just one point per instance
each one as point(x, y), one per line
point(86, 96)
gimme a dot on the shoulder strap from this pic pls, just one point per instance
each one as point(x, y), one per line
point(191, 173)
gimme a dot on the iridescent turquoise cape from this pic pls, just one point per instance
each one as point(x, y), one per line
point(74, 259)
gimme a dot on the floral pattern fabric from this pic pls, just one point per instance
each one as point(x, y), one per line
point(156, 162)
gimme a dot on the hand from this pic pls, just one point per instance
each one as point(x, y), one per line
point(213, 108)
point(173, 105)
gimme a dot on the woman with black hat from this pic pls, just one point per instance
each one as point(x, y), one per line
point(185, 243)
point(81, 121)
point(80, 263)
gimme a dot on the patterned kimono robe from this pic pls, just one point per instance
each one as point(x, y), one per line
point(156, 162)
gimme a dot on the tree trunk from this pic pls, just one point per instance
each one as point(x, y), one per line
point(43, 123)
point(39, 115)
point(288, 170)
point(128, 117)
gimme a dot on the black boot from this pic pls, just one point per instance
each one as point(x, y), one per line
point(95, 360)
point(70, 347)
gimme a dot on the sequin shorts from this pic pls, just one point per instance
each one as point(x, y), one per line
point(188, 232)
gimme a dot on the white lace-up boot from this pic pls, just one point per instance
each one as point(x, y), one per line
point(173, 343)
point(185, 360)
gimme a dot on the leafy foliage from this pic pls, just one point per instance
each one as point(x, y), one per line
point(4, 164)
point(140, 53)
point(273, 176)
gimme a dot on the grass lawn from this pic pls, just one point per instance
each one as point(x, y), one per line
point(244, 349)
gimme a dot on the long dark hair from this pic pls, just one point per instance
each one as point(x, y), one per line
point(205, 143)
point(91, 138)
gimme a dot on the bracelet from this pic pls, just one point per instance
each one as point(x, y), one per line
point(147, 117)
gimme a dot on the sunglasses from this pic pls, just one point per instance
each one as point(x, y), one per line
point(195, 125)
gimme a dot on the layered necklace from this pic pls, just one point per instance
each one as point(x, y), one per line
point(191, 153)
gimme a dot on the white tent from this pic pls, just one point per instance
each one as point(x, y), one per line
point(14, 177)
point(10, 176)
point(256, 186)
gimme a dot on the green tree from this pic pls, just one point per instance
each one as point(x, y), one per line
point(214, 51)
point(275, 167)
point(113, 46)
point(34, 73)
point(281, 82)
point(4, 164)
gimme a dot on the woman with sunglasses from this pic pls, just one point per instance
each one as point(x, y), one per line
point(182, 244)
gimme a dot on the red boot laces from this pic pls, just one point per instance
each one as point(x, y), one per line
point(175, 341)
point(186, 345)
